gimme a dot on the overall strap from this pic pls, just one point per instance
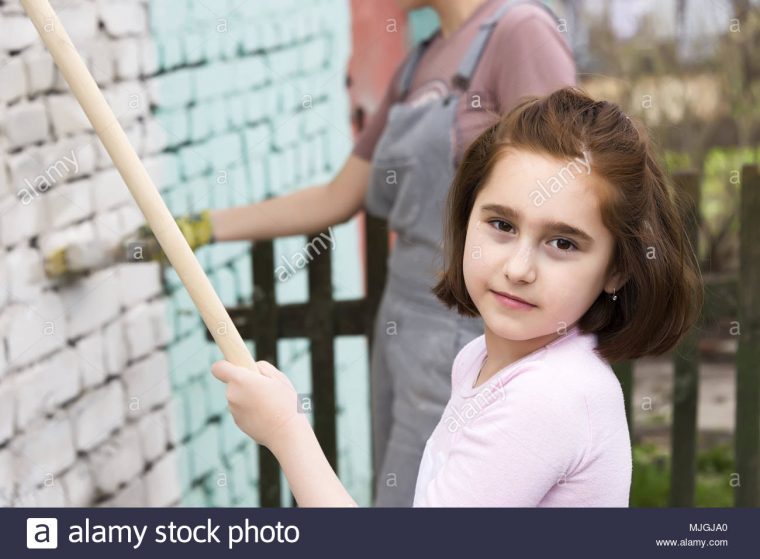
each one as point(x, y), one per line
point(471, 58)
point(407, 74)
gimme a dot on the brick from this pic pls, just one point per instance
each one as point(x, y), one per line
point(137, 328)
point(90, 303)
point(7, 409)
point(153, 433)
point(27, 281)
point(114, 347)
point(204, 451)
point(16, 32)
point(39, 69)
point(46, 386)
point(13, 79)
point(138, 281)
point(80, 148)
point(78, 486)
point(170, 53)
point(5, 183)
point(7, 477)
point(130, 219)
point(31, 177)
point(67, 115)
point(160, 326)
point(90, 353)
point(26, 124)
point(175, 420)
point(80, 21)
point(36, 330)
point(69, 203)
point(109, 190)
point(96, 414)
point(147, 384)
point(117, 461)
point(99, 57)
point(173, 89)
point(47, 496)
point(162, 483)
point(127, 58)
point(155, 138)
point(148, 57)
point(48, 449)
point(122, 17)
point(133, 495)
point(163, 169)
point(129, 101)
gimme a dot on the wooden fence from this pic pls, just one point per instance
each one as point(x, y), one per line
point(321, 319)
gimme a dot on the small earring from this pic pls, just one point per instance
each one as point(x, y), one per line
point(614, 296)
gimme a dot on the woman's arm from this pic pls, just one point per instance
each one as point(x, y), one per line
point(303, 212)
point(265, 407)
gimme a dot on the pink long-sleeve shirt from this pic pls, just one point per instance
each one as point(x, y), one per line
point(548, 430)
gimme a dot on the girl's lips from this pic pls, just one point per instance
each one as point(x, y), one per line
point(510, 302)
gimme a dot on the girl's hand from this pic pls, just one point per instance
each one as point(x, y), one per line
point(265, 406)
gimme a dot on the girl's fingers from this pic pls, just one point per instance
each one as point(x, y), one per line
point(225, 371)
point(267, 369)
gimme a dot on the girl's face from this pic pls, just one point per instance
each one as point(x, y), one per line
point(536, 233)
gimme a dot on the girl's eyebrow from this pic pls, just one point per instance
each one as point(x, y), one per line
point(553, 226)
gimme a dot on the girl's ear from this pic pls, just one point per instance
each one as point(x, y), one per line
point(615, 282)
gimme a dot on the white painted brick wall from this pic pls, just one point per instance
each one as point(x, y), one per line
point(138, 281)
point(45, 386)
point(137, 327)
point(114, 347)
point(16, 32)
point(109, 190)
point(46, 449)
point(33, 331)
point(147, 384)
point(69, 203)
point(117, 461)
point(90, 303)
point(26, 123)
point(13, 78)
point(66, 114)
point(78, 486)
point(123, 17)
point(92, 366)
point(7, 408)
point(7, 477)
point(28, 280)
point(39, 69)
point(133, 495)
point(97, 414)
point(153, 429)
point(162, 482)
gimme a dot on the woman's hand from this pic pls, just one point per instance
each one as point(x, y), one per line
point(265, 406)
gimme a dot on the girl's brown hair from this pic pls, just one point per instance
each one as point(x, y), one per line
point(661, 297)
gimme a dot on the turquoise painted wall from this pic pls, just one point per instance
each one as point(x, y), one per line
point(253, 102)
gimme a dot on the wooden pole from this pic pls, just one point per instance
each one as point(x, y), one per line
point(138, 181)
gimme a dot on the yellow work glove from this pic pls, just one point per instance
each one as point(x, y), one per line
point(196, 228)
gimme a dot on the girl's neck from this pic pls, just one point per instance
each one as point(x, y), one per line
point(502, 352)
point(453, 14)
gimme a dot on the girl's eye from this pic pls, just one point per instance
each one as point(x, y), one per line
point(565, 245)
point(496, 222)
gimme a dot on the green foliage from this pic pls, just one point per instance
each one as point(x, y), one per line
point(650, 486)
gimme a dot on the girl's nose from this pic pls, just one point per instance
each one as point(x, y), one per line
point(519, 266)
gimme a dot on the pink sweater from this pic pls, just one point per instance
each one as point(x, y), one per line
point(549, 430)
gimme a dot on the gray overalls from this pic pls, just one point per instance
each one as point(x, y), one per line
point(415, 337)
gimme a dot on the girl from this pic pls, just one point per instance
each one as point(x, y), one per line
point(562, 234)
